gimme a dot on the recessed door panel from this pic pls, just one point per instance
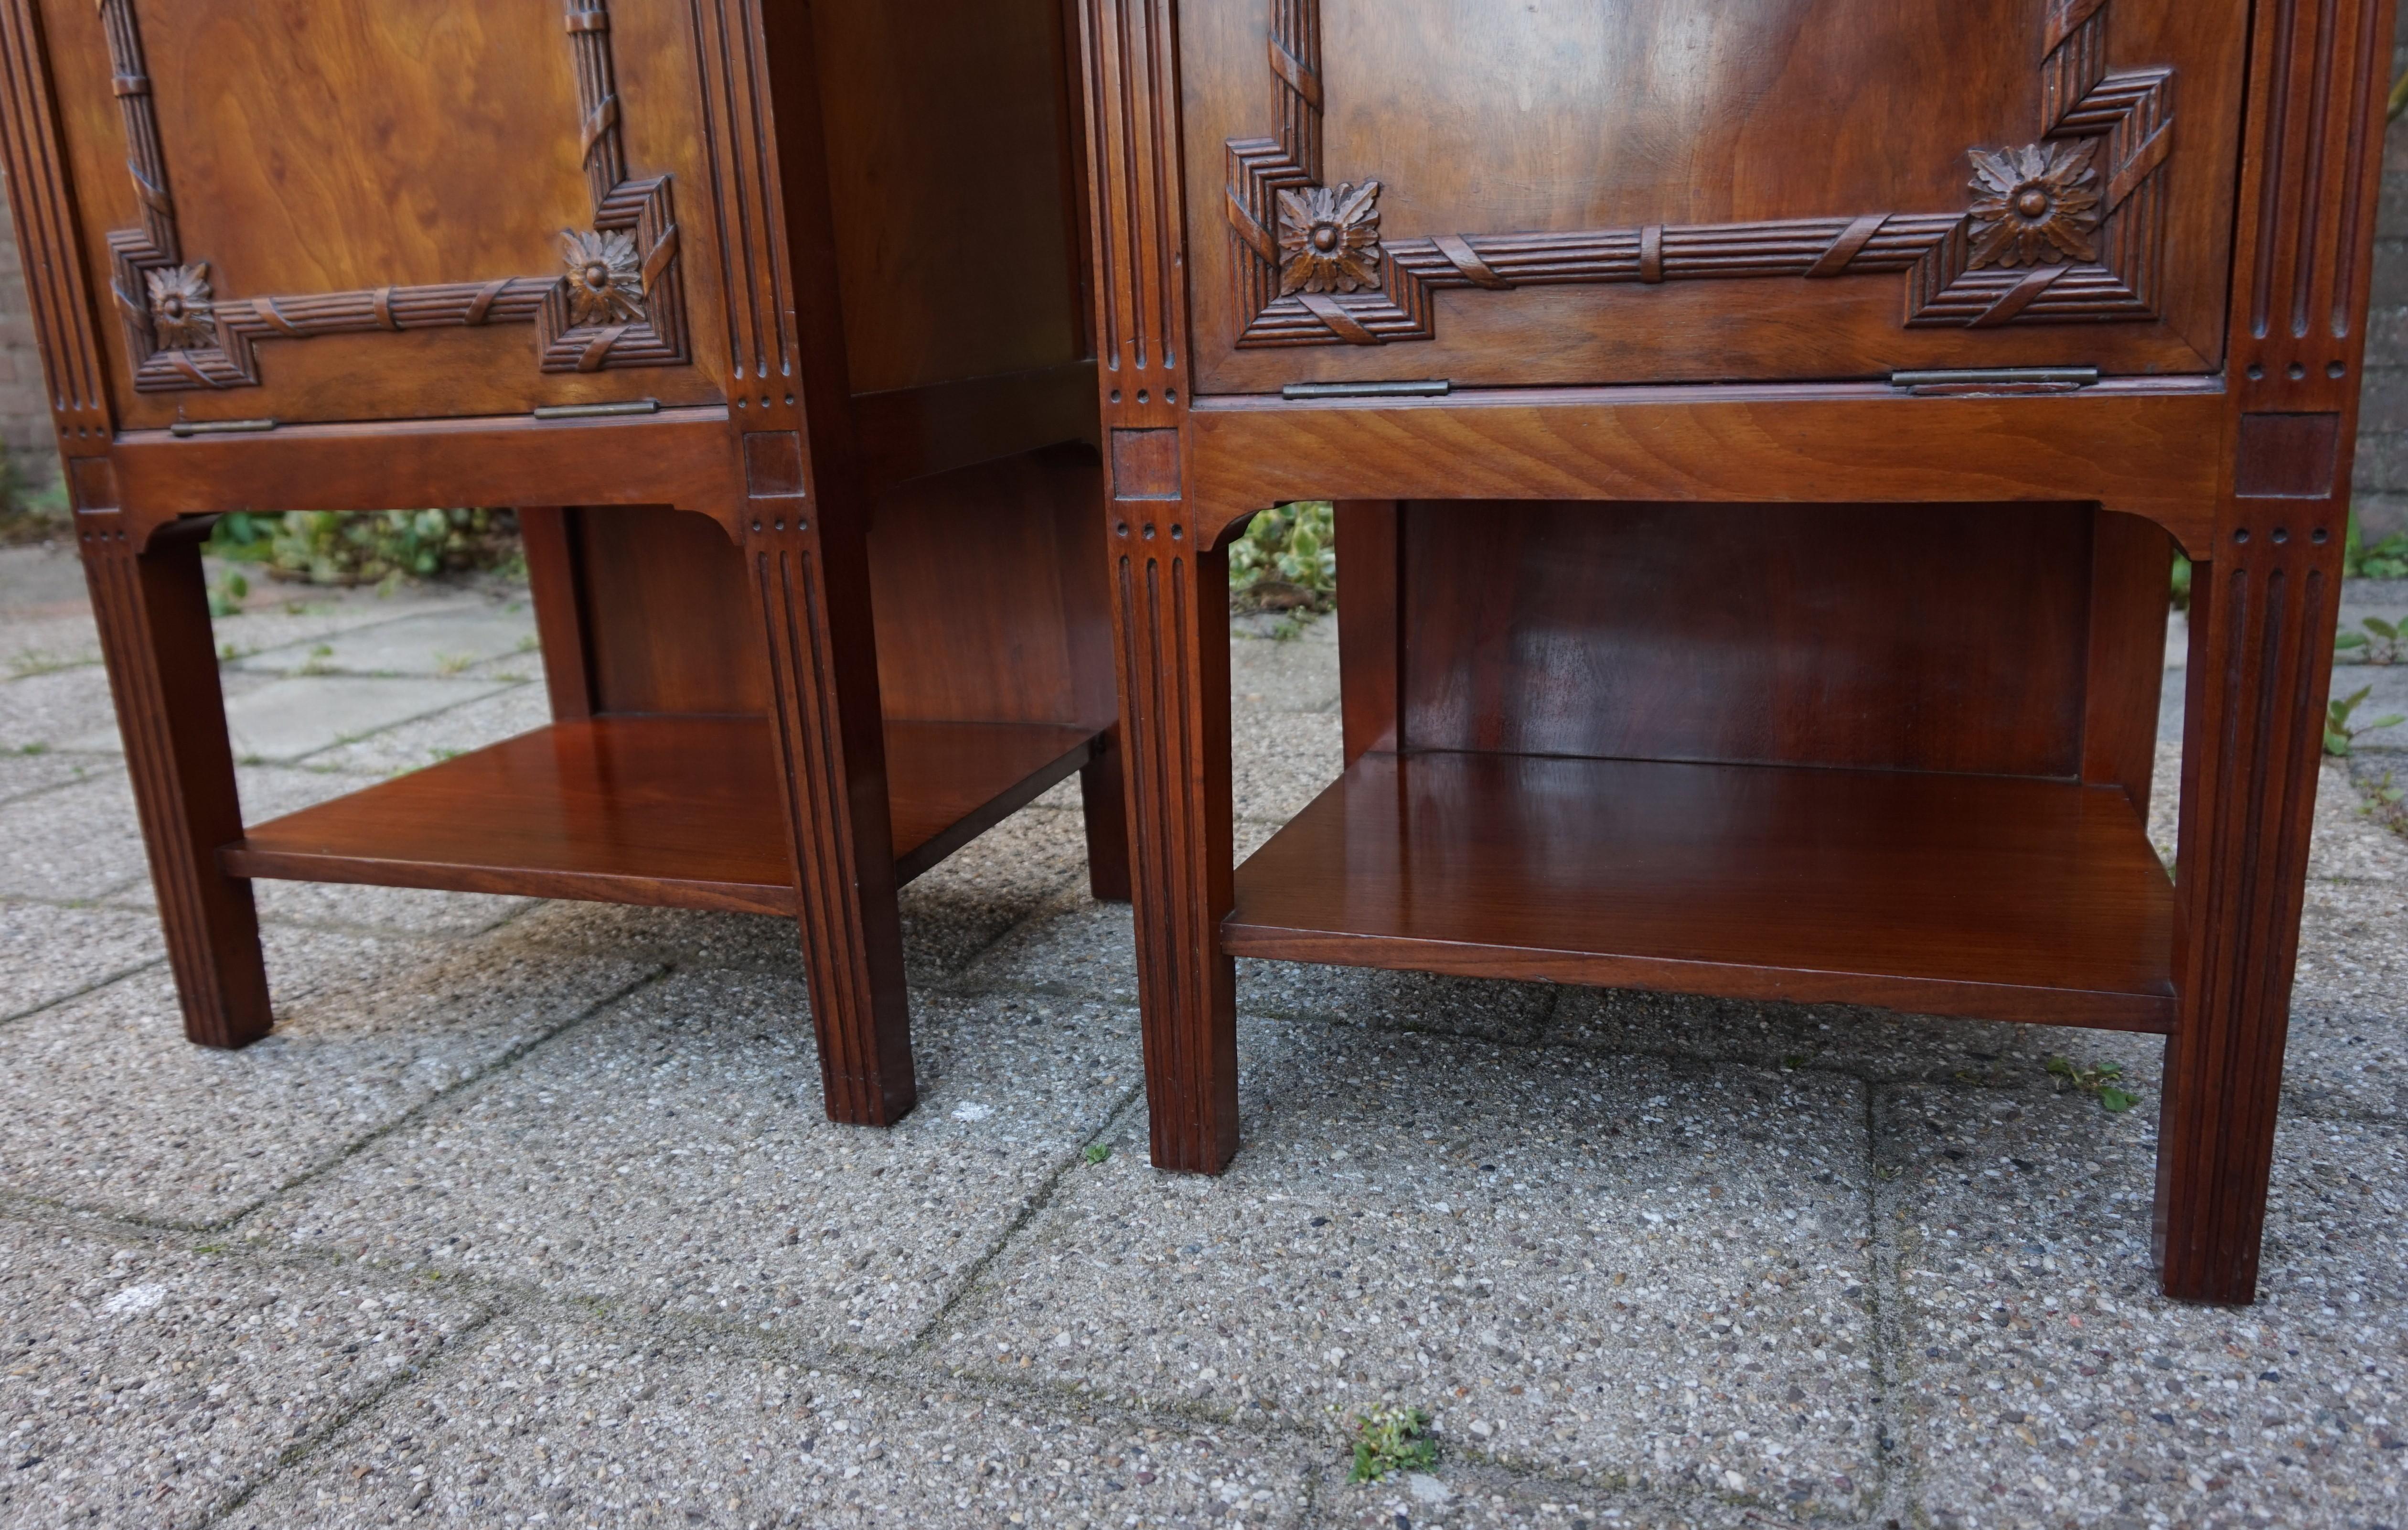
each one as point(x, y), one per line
point(1554, 192)
point(355, 209)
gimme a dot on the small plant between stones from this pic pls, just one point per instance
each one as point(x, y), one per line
point(1388, 1440)
point(2103, 1083)
point(2341, 732)
point(2381, 641)
point(1097, 1152)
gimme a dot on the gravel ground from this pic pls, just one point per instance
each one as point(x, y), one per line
point(528, 1216)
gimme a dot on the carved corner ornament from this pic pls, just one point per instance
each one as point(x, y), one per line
point(1329, 240)
point(182, 318)
point(2066, 229)
point(2035, 206)
point(606, 278)
point(618, 304)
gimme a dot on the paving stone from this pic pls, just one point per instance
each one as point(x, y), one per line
point(2348, 1050)
point(72, 843)
point(2047, 1382)
point(1076, 947)
point(280, 721)
point(2165, 801)
point(1295, 674)
point(278, 616)
point(1457, 1496)
point(561, 1424)
point(105, 1106)
point(1871, 1043)
point(45, 575)
point(1276, 772)
point(149, 1385)
point(49, 953)
point(999, 879)
point(434, 643)
point(504, 714)
point(46, 639)
point(1611, 1271)
point(56, 709)
point(2350, 845)
point(399, 911)
point(675, 1154)
point(23, 774)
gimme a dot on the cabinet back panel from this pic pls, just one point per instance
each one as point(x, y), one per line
point(1922, 637)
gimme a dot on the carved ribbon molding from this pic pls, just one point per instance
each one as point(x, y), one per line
point(2067, 229)
point(615, 302)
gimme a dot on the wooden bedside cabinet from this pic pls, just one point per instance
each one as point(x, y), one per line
point(1760, 433)
point(771, 318)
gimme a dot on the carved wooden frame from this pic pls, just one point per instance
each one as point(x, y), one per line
point(1951, 282)
point(161, 298)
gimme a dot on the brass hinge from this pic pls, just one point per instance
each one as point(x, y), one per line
point(1994, 380)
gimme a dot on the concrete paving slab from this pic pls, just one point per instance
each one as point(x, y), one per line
point(504, 714)
point(1295, 674)
point(278, 616)
point(49, 953)
point(105, 1106)
point(2047, 1382)
point(280, 721)
point(440, 643)
point(1460, 1496)
point(676, 1155)
point(23, 775)
point(58, 710)
point(1076, 946)
point(397, 911)
point(555, 1423)
point(46, 574)
point(1277, 770)
point(1876, 1044)
point(1600, 1270)
point(32, 642)
point(2350, 845)
point(2348, 1050)
point(145, 1384)
point(73, 842)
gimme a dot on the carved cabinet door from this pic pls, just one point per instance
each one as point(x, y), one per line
point(1555, 192)
point(365, 209)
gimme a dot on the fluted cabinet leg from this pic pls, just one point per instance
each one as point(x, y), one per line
point(153, 612)
point(1171, 606)
point(809, 570)
point(2262, 622)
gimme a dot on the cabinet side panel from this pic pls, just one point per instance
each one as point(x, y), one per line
point(669, 623)
point(949, 169)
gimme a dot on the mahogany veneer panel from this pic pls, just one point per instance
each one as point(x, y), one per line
point(2003, 897)
point(647, 810)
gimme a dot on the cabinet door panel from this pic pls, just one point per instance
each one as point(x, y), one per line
point(1550, 192)
point(359, 209)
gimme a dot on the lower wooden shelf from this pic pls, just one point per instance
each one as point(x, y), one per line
point(679, 811)
point(2000, 898)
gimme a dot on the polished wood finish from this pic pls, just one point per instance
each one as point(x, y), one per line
point(773, 316)
point(646, 810)
point(2004, 897)
point(1681, 617)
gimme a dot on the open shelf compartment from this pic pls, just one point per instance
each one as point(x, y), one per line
point(677, 811)
point(2003, 897)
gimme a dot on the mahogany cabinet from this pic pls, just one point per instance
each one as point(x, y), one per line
point(1760, 432)
point(770, 318)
